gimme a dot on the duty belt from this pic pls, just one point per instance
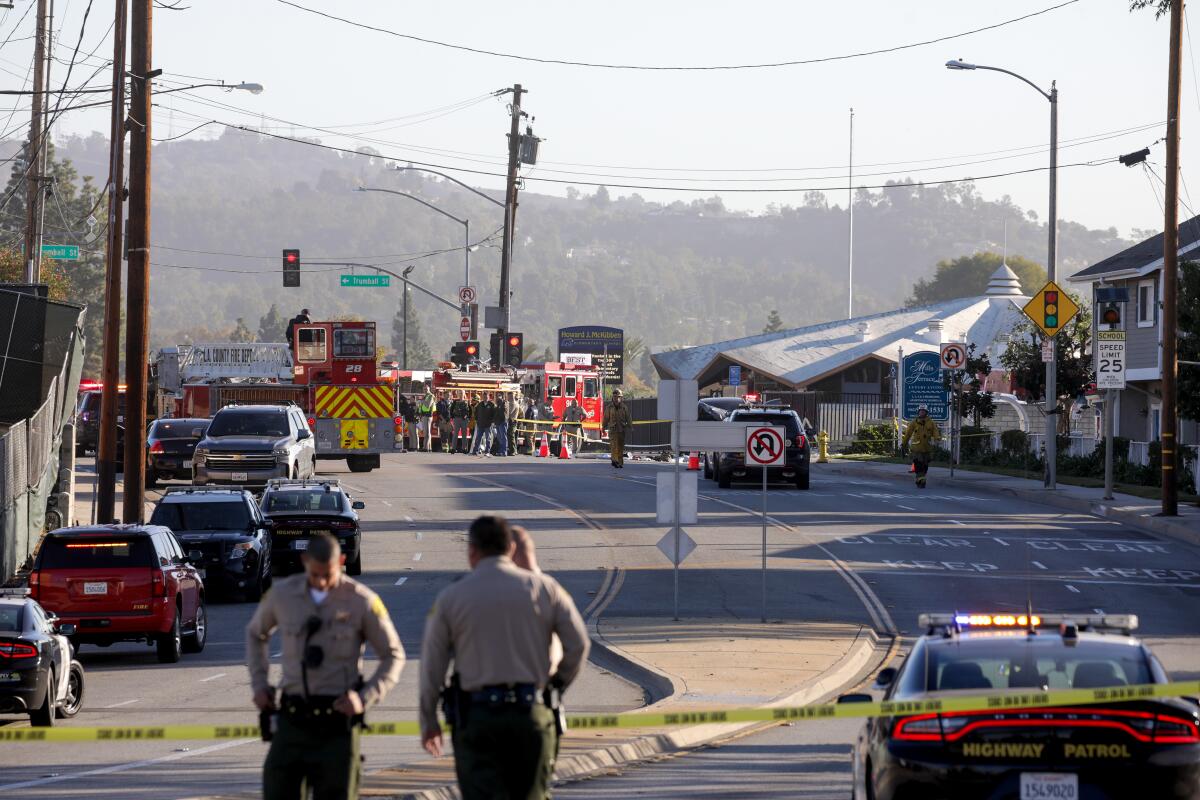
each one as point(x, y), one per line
point(511, 694)
point(311, 708)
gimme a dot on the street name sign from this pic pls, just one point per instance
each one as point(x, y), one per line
point(369, 281)
point(1110, 359)
point(922, 385)
point(61, 252)
point(1050, 309)
point(765, 446)
point(954, 355)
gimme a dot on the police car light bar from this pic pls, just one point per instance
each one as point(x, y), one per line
point(1118, 622)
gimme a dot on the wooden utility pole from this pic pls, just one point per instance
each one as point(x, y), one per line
point(35, 153)
point(1170, 272)
point(510, 208)
point(137, 314)
point(106, 448)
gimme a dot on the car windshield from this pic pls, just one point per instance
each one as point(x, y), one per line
point(1038, 663)
point(788, 421)
point(179, 429)
point(303, 500)
point(231, 515)
point(89, 552)
point(10, 619)
point(91, 403)
point(249, 423)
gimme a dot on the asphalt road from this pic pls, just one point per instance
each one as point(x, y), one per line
point(849, 550)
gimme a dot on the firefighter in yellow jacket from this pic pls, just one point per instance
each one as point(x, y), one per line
point(923, 434)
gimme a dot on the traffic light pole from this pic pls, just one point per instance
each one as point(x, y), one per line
point(1051, 261)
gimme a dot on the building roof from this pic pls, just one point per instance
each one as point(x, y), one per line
point(1143, 258)
point(801, 356)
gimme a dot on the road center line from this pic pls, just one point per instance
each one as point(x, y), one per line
point(213, 677)
point(400, 581)
point(122, 703)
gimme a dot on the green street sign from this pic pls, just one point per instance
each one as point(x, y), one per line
point(62, 252)
point(371, 281)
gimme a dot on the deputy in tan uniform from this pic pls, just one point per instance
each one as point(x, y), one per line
point(324, 619)
point(496, 624)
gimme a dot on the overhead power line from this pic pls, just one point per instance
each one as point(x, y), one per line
point(667, 68)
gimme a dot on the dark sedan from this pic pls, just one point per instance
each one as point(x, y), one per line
point(169, 447)
point(297, 509)
point(38, 675)
point(87, 423)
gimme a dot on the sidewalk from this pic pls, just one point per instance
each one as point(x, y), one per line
point(701, 663)
point(1136, 512)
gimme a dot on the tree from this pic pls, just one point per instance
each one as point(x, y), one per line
point(419, 354)
point(1161, 7)
point(977, 404)
point(273, 326)
point(774, 323)
point(1188, 385)
point(1023, 357)
point(967, 276)
point(241, 332)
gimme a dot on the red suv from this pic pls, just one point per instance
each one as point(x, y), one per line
point(120, 583)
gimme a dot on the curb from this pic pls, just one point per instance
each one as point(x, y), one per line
point(865, 650)
point(1100, 508)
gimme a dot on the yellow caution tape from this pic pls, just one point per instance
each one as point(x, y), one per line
point(995, 701)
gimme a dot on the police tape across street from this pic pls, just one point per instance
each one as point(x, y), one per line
point(993, 701)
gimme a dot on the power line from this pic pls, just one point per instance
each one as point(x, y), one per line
point(715, 67)
point(8, 38)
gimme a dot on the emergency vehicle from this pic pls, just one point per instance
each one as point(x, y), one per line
point(556, 384)
point(333, 377)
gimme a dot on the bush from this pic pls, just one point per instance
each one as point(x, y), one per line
point(1014, 443)
point(976, 443)
point(879, 440)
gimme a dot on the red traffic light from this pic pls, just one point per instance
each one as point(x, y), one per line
point(472, 349)
point(514, 341)
point(291, 258)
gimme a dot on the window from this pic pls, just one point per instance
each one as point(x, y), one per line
point(555, 386)
point(311, 346)
point(591, 387)
point(92, 552)
point(354, 343)
point(229, 515)
point(1155, 420)
point(304, 500)
point(233, 422)
point(1147, 304)
point(570, 391)
point(10, 619)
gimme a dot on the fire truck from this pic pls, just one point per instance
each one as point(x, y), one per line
point(332, 376)
point(556, 384)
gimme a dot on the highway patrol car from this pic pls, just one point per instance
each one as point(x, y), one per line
point(39, 675)
point(1142, 749)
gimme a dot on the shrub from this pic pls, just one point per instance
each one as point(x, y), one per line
point(975, 444)
point(877, 440)
point(1014, 443)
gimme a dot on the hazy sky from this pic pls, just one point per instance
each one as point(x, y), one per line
point(709, 127)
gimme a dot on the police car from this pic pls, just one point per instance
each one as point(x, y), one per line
point(1147, 748)
point(38, 673)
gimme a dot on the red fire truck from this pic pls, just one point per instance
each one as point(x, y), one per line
point(333, 378)
point(556, 384)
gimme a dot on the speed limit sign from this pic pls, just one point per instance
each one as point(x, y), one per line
point(1110, 359)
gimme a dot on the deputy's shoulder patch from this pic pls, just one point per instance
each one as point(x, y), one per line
point(377, 606)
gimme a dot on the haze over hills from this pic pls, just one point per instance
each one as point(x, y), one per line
point(672, 274)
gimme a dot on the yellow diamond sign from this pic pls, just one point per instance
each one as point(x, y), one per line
point(1051, 309)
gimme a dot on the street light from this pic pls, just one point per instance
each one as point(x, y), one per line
point(1051, 251)
point(404, 277)
point(465, 223)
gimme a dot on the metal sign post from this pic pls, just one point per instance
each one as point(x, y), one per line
point(765, 448)
point(673, 398)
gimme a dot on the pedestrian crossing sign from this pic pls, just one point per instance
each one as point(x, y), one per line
point(1051, 309)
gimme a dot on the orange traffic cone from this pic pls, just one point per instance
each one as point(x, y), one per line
point(693, 461)
point(563, 452)
point(912, 467)
point(544, 449)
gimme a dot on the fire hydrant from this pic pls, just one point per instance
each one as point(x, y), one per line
point(822, 448)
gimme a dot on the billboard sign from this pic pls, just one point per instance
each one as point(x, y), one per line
point(922, 385)
point(607, 346)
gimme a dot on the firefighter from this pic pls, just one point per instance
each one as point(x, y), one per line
point(300, 319)
point(617, 421)
point(425, 407)
point(574, 431)
point(923, 433)
point(445, 423)
point(460, 412)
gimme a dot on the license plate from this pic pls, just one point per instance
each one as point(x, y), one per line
point(187, 463)
point(9, 677)
point(300, 544)
point(1049, 786)
point(96, 587)
point(237, 476)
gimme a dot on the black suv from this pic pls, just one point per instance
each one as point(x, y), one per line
point(87, 424)
point(251, 444)
point(169, 447)
point(730, 466)
point(296, 509)
point(226, 527)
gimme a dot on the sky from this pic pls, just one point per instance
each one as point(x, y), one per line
point(712, 131)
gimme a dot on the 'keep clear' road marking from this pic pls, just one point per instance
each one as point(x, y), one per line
point(213, 677)
point(409, 520)
point(417, 557)
point(400, 581)
point(969, 540)
point(1038, 564)
point(1072, 588)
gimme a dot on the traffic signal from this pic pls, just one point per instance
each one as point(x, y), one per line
point(1111, 315)
point(291, 268)
point(471, 351)
point(1050, 312)
point(495, 351)
point(514, 347)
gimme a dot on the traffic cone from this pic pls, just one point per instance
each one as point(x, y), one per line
point(563, 452)
point(912, 467)
point(693, 461)
point(544, 449)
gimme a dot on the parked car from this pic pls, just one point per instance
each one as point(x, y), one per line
point(730, 466)
point(297, 509)
point(87, 423)
point(39, 675)
point(169, 447)
point(227, 527)
point(250, 445)
point(121, 583)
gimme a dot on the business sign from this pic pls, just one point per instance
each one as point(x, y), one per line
point(922, 385)
point(607, 346)
point(370, 281)
point(735, 375)
point(577, 359)
point(1110, 359)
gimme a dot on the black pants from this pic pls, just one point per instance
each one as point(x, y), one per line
point(921, 465)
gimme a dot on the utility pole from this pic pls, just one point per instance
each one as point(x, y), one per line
point(850, 243)
point(1170, 270)
point(106, 449)
point(510, 207)
point(1052, 273)
point(138, 294)
point(35, 153)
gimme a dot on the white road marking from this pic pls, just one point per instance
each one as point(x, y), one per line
point(122, 703)
point(277, 655)
point(420, 536)
point(400, 581)
point(417, 557)
point(409, 519)
point(353, 488)
point(213, 677)
point(1098, 610)
point(1072, 588)
point(386, 503)
point(1001, 541)
point(126, 767)
point(906, 508)
point(956, 522)
point(1039, 564)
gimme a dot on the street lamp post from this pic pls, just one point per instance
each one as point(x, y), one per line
point(464, 222)
point(1051, 255)
point(404, 277)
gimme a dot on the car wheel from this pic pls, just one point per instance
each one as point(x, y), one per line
point(802, 480)
point(254, 591)
point(708, 470)
point(355, 566)
point(724, 478)
point(169, 645)
point(194, 641)
point(43, 715)
point(74, 699)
